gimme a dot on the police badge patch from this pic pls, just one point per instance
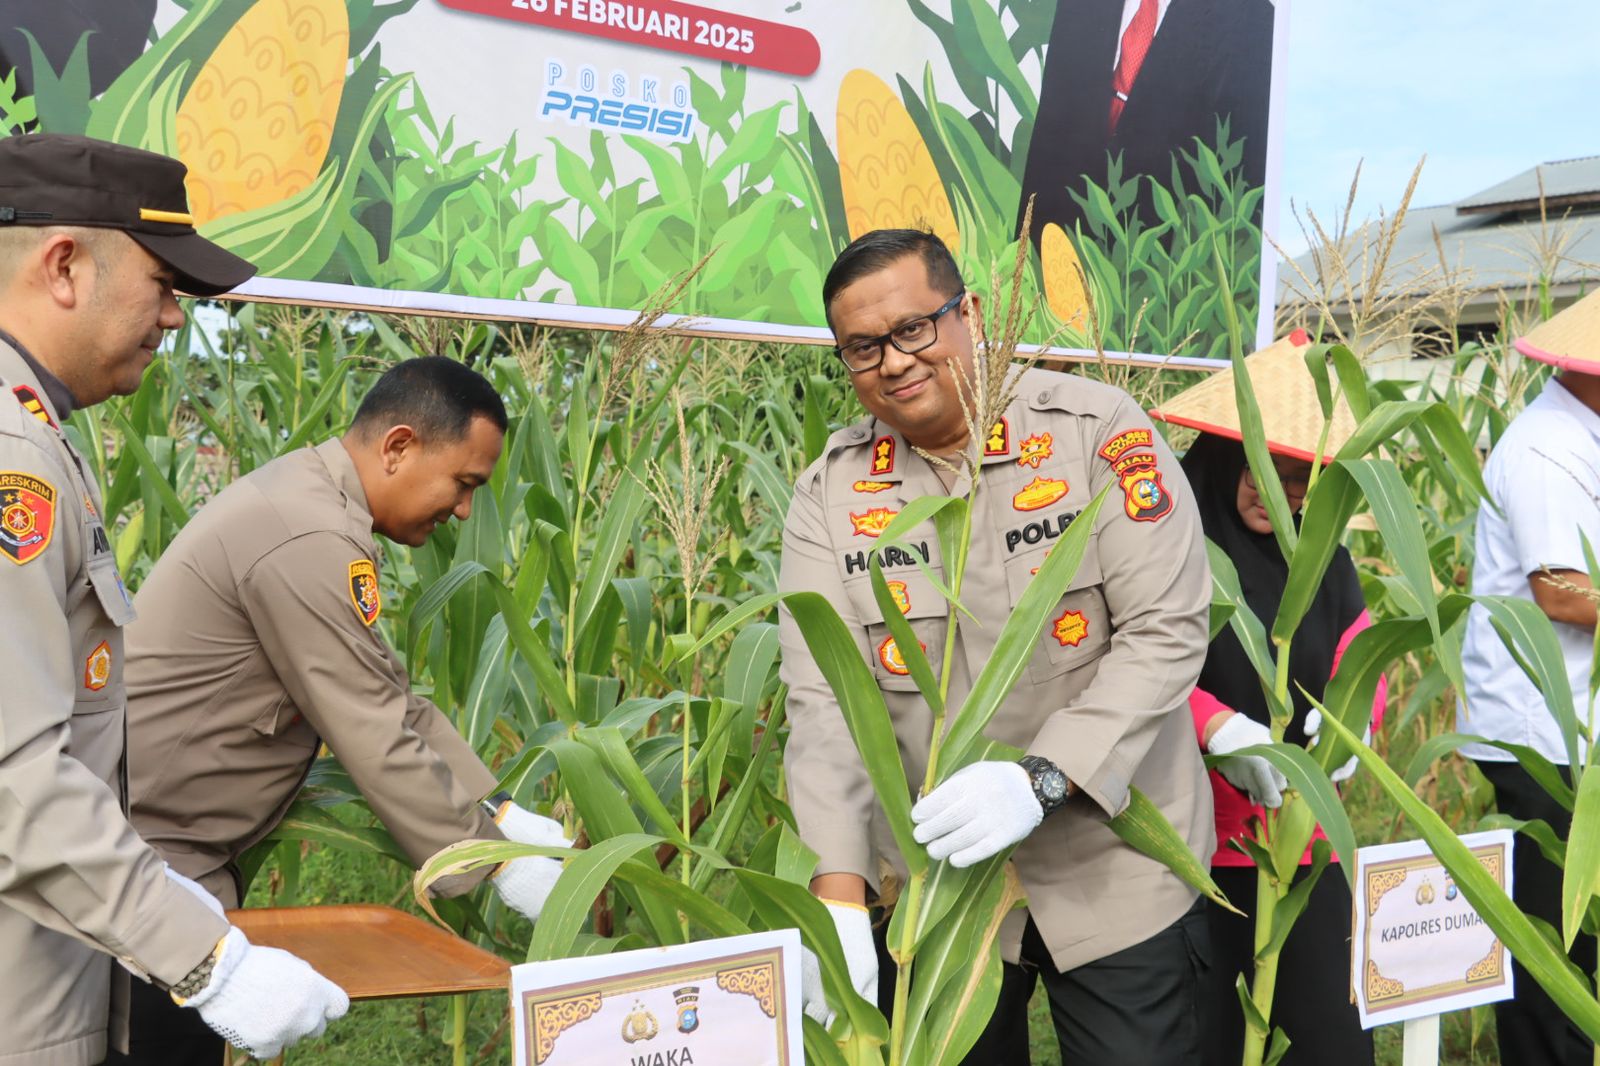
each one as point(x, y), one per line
point(364, 590)
point(27, 515)
point(97, 668)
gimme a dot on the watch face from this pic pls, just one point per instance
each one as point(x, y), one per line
point(1053, 785)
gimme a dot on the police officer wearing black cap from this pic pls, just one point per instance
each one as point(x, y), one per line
point(94, 239)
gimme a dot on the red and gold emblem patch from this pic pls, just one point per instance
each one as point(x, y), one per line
point(889, 655)
point(1125, 441)
point(33, 405)
point(902, 596)
point(1147, 498)
point(872, 486)
point(1071, 628)
point(27, 515)
point(874, 522)
point(97, 668)
point(998, 442)
point(1036, 449)
point(883, 455)
point(364, 590)
point(1040, 492)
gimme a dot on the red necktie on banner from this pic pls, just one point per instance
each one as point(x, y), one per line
point(1135, 46)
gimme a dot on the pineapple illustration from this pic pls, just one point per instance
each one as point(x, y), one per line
point(255, 126)
point(1063, 279)
point(887, 176)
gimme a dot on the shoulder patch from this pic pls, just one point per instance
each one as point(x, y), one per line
point(33, 405)
point(364, 590)
point(27, 515)
point(1126, 439)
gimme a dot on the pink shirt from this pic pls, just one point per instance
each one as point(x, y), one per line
point(1233, 808)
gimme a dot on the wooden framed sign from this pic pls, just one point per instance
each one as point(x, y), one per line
point(728, 1002)
point(1419, 948)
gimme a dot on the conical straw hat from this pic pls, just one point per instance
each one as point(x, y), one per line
point(1286, 394)
point(1569, 340)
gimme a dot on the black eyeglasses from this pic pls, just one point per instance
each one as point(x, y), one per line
point(1295, 484)
point(909, 337)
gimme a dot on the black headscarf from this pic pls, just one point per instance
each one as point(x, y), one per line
point(1213, 466)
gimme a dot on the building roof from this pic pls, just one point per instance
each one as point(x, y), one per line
point(1563, 183)
point(1492, 241)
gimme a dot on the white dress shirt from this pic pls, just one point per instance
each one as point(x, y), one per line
point(1545, 476)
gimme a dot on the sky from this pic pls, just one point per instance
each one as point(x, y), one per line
point(1486, 88)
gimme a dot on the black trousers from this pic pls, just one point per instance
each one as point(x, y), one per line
point(1312, 1000)
point(1531, 1028)
point(1139, 1005)
point(161, 1033)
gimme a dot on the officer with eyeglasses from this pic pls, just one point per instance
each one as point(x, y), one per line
point(1119, 940)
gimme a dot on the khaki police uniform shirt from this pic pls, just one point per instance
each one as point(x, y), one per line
point(1104, 696)
point(76, 882)
point(255, 644)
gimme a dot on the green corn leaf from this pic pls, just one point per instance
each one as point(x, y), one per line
point(1582, 877)
point(534, 650)
point(154, 477)
point(1548, 775)
point(1529, 636)
point(610, 542)
point(432, 602)
point(905, 639)
point(584, 875)
point(1143, 826)
point(1020, 637)
point(613, 750)
point(305, 821)
point(834, 651)
point(1289, 909)
point(1319, 794)
point(1253, 433)
point(816, 423)
point(1328, 508)
point(1246, 626)
point(782, 905)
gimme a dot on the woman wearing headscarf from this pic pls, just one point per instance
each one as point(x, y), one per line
point(1312, 1002)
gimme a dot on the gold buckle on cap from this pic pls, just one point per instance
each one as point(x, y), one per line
point(150, 214)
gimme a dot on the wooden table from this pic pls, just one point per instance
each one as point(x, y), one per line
point(375, 952)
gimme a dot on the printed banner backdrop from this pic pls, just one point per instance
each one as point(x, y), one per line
point(561, 160)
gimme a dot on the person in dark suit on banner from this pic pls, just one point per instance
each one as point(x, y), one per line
point(1142, 79)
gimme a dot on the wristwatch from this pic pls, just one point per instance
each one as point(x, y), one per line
point(493, 805)
point(1050, 785)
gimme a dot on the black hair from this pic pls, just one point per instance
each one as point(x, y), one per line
point(435, 396)
point(872, 251)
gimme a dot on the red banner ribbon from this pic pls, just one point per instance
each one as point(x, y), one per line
point(667, 25)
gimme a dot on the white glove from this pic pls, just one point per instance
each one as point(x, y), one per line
point(265, 999)
point(196, 889)
point(525, 883)
point(860, 960)
point(1313, 731)
point(1249, 773)
point(980, 811)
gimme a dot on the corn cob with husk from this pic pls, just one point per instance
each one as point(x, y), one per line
point(1063, 278)
point(255, 126)
point(885, 170)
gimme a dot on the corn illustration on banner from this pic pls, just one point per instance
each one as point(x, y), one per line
point(561, 160)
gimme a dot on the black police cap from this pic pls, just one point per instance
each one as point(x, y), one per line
point(55, 179)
